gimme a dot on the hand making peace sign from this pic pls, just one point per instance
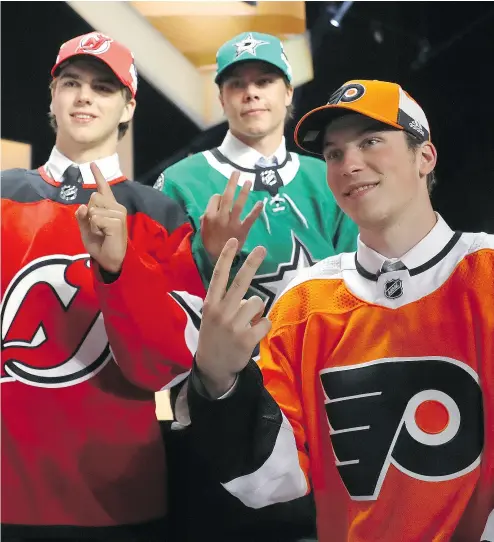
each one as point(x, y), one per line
point(221, 219)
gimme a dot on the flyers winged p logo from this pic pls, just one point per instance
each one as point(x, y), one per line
point(52, 334)
point(422, 415)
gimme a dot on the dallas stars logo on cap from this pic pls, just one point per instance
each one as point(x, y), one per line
point(248, 45)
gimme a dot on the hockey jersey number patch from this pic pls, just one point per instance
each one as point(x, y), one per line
point(423, 415)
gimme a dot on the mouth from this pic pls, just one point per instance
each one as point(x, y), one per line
point(82, 118)
point(358, 191)
point(253, 112)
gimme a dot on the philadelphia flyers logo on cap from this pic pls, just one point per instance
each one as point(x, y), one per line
point(95, 44)
point(347, 93)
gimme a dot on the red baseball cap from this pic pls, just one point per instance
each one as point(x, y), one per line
point(115, 55)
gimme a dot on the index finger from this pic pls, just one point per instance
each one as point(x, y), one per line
point(229, 193)
point(221, 272)
point(101, 185)
point(242, 281)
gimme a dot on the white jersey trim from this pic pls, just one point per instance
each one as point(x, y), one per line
point(342, 267)
point(279, 479)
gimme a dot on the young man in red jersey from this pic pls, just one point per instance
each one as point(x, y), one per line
point(85, 254)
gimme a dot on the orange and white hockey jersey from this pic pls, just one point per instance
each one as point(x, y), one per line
point(385, 381)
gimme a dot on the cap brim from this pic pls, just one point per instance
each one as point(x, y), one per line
point(310, 129)
point(232, 65)
point(56, 68)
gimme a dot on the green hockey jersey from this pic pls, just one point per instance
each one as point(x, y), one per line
point(300, 223)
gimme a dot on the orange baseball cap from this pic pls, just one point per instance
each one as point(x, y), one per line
point(379, 100)
point(115, 55)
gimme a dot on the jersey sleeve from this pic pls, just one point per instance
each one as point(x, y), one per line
point(152, 310)
point(255, 438)
point(186, 200)
point(180, 193)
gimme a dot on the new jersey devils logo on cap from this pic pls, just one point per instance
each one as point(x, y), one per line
point(95, 43)
point(53, 334)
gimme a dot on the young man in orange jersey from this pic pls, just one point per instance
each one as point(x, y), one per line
point(375, 385)
point(82, 352)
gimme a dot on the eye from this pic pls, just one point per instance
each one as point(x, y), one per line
point(370, 142)
point(103, 88)
point(234, 83)
point(332, 154)
point(263, 81)
point(69, 83)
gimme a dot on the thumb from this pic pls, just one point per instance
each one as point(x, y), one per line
point(81, 215)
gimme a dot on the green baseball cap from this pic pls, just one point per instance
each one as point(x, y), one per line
point(252, 46)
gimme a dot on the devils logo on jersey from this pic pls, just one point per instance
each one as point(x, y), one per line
point(423, 415)
point(52, 333)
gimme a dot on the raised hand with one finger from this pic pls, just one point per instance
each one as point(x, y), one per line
point(103, 225)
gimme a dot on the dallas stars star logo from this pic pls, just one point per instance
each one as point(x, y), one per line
point(248, 45)
point(272, 284)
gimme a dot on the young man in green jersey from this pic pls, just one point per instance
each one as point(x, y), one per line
point(300, 222)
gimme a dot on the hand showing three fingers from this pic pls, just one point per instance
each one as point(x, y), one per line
point(231, 327)
point(221, 219)
point(103, 225)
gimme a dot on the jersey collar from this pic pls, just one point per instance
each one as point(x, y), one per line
point(369, 262)
point(245, 156)
point(58, 163)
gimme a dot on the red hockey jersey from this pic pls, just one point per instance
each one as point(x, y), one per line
point(81, 446)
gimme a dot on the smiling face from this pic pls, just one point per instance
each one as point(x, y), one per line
point(374, 175)
point(255, 98)
point(88, 103)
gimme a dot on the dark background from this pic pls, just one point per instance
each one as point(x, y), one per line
point(442, 53)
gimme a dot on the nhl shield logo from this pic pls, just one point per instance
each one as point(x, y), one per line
point(393, 289)
point(268, 177)
point(68, 192)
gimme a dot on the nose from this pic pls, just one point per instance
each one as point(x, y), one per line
point(84, 94)
point(351, 162)
point(251, 92)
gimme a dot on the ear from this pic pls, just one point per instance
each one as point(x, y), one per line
point(128, 111)
point(53, 86)
point(427, 158)
point(220, 98)
point(288, 95)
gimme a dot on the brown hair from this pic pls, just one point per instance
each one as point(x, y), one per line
point(122, 127)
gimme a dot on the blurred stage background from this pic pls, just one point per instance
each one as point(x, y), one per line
point(441, 52)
